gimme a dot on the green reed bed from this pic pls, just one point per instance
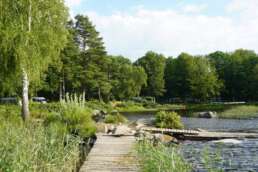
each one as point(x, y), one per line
point(32, 147)
point(160, 158)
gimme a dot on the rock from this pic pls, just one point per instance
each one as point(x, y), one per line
point(201, 130)
point(122, 130)
point(110, 129)
point(98, 115)
point(232, 141)
point(165, 139)
point(208, 114)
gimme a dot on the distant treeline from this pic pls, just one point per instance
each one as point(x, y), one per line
point(84, 66)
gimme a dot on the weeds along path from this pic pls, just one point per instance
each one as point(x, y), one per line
point(112, 154)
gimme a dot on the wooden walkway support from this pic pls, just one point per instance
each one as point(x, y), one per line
point(111, 154)
point(200, 135)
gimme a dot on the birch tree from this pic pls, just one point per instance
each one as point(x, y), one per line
point(32, 34)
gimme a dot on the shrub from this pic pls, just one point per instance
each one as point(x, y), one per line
point(168, 120)
point(115, 119)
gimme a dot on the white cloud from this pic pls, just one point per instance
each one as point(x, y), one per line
point(191, 8)
point(247, 8)
point(171, 32)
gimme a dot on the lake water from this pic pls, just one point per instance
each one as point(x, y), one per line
point(241, 156)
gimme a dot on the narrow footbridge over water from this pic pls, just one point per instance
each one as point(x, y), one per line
point(116, 154)
point(112, 154)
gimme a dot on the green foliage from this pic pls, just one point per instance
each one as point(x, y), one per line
point(31, 35)
point(115, 118)
point(93, 62)
point(129, 106)
point(127, 80)
point(168, 120)
point(238, 72)
point(189, 76)
point(31, 147)
point(203, 79)
point(99, 105)
point(241, 111)
point(160, 158)
point(154, 66)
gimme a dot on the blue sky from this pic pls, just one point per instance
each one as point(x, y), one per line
point(132, 27)
point(106, 7)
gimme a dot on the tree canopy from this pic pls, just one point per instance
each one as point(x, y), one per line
point(154, 66)
point(32, 34)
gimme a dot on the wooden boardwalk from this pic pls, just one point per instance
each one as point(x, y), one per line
point(201, 135)
point(170, 131)
point(111, 154)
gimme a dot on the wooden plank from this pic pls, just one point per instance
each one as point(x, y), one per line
point(111, 154)
point(172, 131)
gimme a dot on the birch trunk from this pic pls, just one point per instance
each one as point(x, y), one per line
point(25, 96)
point(25, 79)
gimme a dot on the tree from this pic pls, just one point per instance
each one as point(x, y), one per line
point(32, 34)
point(61, 76)
point(127, 80)
point(237, 71)
point(191, 77)
point(177, 76)
point(154, 66)
point(204, 82)
point(93, 59)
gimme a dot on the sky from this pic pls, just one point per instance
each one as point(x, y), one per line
point(133, 27)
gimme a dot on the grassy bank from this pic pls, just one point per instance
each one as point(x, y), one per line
point(49, 141)
point(33, 147)
point(133, 107)
point(160, 158)
point(240, 112)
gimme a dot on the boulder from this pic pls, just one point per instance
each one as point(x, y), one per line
point(208, 114)
point(123, 130)
point(110, 129)
point(98, 115)
point(165, 139)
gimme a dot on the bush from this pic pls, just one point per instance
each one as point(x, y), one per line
point(32, 147)
point(115, 119)
point(168, 120)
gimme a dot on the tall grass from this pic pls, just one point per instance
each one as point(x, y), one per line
point(30, 147)
point(160, 158)
point(74, 116)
